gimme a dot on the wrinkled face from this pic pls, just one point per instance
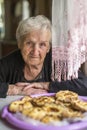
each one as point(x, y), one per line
point(34, 47)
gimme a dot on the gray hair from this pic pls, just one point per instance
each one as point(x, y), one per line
point(32, 23)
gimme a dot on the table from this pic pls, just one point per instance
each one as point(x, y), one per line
point(4, 125)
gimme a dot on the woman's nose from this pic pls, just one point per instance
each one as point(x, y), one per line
point(35, 50)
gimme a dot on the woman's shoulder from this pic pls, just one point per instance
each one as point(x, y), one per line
point(13, 56)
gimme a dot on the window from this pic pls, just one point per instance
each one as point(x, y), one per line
point(2, 19)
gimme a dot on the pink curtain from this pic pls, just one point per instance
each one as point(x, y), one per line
point(69, 38)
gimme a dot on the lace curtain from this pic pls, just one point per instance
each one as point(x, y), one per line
point(69, 38)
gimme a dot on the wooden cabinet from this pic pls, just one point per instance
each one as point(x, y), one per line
point(6, 48)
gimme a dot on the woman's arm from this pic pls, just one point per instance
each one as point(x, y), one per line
point(3, 90)
point(33, 88)
point(77, 85)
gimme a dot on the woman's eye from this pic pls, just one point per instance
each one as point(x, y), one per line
point(42, 44)
point(28, 43)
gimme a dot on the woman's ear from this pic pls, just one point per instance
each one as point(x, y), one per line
point(48, 49)
point(19, 45)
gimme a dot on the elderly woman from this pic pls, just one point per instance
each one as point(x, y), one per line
point(27, 70)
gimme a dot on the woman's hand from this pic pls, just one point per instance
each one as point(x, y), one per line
point(39, 85)
point(31, 91)
point(33, 88)
point(36, 88)
point(22, 88)
point(14, 89)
